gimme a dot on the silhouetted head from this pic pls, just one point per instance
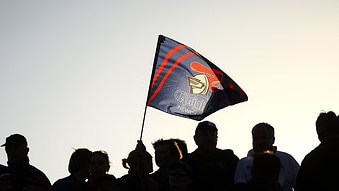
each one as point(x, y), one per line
point(182, 166)
point(79, 162)
point(266, 166)
point(138, 159)
point(262, 137)
point(206, 126)
point(99, 163)
point(166, 152)
point(327, 125)
point(15, 139)
point(16, 148)
point(182, 145)
point(206, 137)
point(180, 175)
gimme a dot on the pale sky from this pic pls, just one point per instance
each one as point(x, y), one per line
point(75, 73)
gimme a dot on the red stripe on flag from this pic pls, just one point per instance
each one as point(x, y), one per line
point(168, 73)
point(164, 62)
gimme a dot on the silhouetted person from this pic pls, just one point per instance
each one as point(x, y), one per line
point(213, 168)
point(78, 167)
point(5, 182)
point(264, 174)
point(3, 169)
point(20, 174)
point(180, 177)
point(262, 141)
point(99, 166)
point(319, 168)
point(182, 146)
point(166, 152)
point(4, 177)
point(139, 164)
point(106, 182)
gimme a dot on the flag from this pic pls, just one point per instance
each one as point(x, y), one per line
point(186, 84)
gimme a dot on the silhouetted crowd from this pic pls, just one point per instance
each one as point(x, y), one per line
point(265, 168)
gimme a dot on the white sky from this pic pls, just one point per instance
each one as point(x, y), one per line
point(75, 73)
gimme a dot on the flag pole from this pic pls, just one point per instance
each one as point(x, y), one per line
point(160, 39)
point(143, 122)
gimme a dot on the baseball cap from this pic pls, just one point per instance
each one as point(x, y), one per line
point(15, 139)
point(206, 126)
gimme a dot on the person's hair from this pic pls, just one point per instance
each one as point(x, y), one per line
point(183, 166)
point(104, 154)
point(206, 126)
point(173, 146)
point(182, 145)
point(266, 165)
point(79, 159)
point(263, 125)
point(327, 125)
point(134, 157)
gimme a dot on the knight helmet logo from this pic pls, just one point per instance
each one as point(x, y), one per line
point(204, 81)
point(198, 84)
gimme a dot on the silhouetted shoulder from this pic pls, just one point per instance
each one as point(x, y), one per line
point(63, 184)
point(227, 152)
point(3, 169)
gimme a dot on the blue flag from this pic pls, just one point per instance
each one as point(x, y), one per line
point(186, 84)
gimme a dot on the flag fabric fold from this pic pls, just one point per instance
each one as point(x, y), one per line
point(186, 84)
